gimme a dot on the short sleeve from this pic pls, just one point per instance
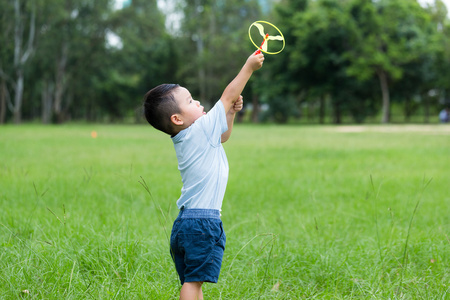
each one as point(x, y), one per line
point(214, 123)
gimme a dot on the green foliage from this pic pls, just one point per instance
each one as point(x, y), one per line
point(341, 47)
point(215, 45)
point(341, 57)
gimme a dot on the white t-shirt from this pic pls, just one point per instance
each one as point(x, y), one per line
point(202, 161)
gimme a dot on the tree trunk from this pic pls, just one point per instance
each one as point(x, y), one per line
point(321, 109)
point(210, 89)
point(18, 98)
point(200, 53)
point(60, 83)
point(426, 109)
point(308, 113)
point(256, 108)
point(407, 110)
point(47, 101)
point(21, 56)
point(337, 115)
point(385, 117)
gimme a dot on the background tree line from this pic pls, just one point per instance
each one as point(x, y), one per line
point(354, 60)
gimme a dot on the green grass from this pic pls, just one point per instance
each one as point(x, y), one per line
point(310, 213)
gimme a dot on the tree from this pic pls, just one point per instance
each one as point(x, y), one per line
point(441, 67)
point(317, 67)
point(148, 56)
point(279, 84)
point(6, 56)
point(56, 62)
point(322, 39)
point(385, 42)
point(53, 70)
point(214, 35)
point(23, 35)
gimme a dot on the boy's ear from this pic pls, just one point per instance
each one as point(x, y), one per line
point(176, 119)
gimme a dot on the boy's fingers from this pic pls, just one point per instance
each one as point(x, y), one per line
point(239, 103)
point(257, 55)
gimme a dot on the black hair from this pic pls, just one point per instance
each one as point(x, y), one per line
point(160, 105)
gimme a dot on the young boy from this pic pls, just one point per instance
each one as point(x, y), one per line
point(197, 241)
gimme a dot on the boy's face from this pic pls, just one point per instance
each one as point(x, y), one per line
point(190, 109)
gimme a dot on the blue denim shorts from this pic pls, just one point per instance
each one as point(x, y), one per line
point(197, 244)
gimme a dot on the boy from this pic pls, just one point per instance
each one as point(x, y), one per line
point(197, 241)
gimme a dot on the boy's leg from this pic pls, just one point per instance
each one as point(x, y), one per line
point(191, 291)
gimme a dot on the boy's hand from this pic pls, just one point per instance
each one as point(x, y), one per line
point(237, 106)
point(255, 61)
point(231, 114)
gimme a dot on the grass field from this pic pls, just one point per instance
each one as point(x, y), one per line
point(310, 213)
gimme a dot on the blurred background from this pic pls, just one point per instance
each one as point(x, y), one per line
point(345, 61)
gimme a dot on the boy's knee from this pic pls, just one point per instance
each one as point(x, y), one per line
point(194, 283)
point(191, 290)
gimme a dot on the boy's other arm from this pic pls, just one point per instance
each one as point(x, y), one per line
point(237, 106)
point(234, 89)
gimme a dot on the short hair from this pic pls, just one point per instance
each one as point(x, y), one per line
point(160, 105)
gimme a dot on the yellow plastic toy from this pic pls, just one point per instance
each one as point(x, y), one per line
point(259, 25)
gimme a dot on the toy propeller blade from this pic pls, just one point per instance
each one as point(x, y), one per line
point(264, 46)
point(260, 28)
point(276, 37)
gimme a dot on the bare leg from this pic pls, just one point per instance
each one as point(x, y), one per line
point(191, 291)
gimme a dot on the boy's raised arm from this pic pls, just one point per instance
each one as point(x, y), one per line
point(235, 87)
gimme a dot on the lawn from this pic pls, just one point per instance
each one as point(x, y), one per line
point(310, 212)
